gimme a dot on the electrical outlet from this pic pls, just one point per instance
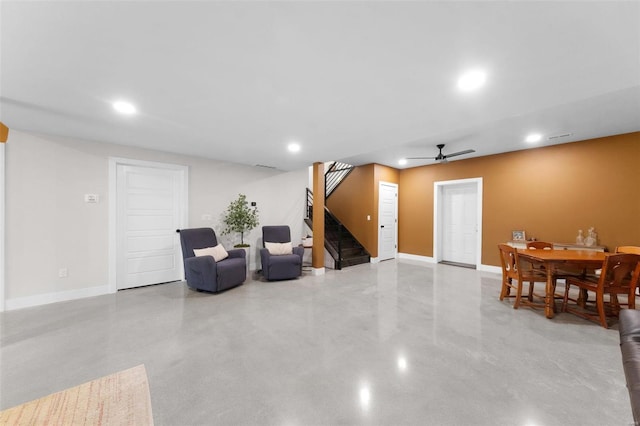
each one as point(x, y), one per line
point(206, 216)
point(62, 273)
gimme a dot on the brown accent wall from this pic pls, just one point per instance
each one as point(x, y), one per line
point(357, 197)
point(550, 192)
point(4, 133)
point(317, 253)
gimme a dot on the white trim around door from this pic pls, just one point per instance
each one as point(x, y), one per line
point(438, 216)
point(2, 225)
point(182, 205)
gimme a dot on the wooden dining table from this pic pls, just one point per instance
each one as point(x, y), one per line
point(554, 260)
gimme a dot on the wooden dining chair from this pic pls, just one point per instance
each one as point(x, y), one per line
point(628, 249)
point(539, 245)
point(559, 274)
point(631, 250)
point(515, 273)
point(620, 273)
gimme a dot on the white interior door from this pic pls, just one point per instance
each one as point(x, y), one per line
point(459, 223)
point(387, 220)
point(150, 206)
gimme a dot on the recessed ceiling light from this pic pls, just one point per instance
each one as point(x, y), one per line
point(365, 397)
point(124, 107)
point(293, 147)
point(402, 363)
point(472, 80)
point(533, 138)
point(402, 161)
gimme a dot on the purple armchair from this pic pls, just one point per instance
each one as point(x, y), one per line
point(204, 273)
point(283, 266)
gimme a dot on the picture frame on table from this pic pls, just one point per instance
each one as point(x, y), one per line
point(518, 236)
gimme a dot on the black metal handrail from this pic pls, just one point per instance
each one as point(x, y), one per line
point(309, 209)
point(338, 229)
point(334, 175)
point(342, 233)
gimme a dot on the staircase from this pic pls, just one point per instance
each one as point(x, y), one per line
point(343, 247)
point(334, 175)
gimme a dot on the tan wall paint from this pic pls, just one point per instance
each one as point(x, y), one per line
point(317, 253)
point(352, 201)
point(549, 192)
point(357, 197)
point(4, 133)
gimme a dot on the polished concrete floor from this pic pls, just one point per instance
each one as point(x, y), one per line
point(397, 343)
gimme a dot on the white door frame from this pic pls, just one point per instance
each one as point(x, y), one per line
point(114, 162)
point(437, 216)
point(2, 226)
point(380, 183)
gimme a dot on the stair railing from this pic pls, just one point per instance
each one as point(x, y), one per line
point(334, 175)
point(331, 222)
point(342, 234)
point(309, 209)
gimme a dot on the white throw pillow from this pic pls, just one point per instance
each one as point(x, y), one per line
point(279, 248)
point(218, 252)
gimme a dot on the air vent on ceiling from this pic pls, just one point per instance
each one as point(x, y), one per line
point(263, 166)
point(564, 135)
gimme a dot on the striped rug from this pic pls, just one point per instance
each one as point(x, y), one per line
point(118, 399)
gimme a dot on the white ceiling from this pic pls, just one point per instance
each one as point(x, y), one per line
point(360, 82)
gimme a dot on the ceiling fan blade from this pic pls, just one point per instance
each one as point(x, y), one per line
point(466, 151)
point(421, 158)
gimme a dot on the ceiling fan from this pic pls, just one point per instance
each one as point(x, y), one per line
point(441, 157)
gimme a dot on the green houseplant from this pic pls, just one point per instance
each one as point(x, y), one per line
point(239, 217)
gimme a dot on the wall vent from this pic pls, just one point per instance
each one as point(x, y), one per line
point(264, 166)
point(564, 135)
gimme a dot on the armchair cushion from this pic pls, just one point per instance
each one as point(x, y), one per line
point(279, 248)
point(218, 252)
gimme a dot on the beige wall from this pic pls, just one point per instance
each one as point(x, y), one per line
point(49, 226)
point(549, 192)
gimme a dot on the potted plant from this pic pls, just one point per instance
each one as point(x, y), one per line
point(239, 217)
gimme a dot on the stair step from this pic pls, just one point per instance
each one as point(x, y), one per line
point(348, 251)
point(358, 260)
point(351, 252)
point(345, 244)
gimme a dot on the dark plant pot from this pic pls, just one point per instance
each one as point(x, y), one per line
point(247, 249)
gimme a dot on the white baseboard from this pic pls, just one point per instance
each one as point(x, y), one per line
point(489, 268)
point(378, 260)
point(483, 268)
point(408, 256)
point(60, 296)
point(317, 271)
